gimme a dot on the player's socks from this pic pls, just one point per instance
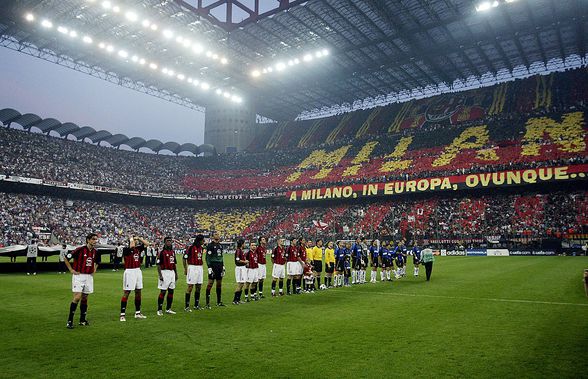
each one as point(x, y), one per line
point(197, 296)
point(218, 294)
point(273, 287)
point(160, 300)
point(123, 306)
point(170, 298)
point(240, 293)
point(382, 275)
point(236, 297)
point(72, 310)
point(281, 285)
point(247, 294)
point(208, 288)
point(137, 303)
point(288, 283)
point(187, 300)
point(83, 309)
point(353, 275)
point(260, 288)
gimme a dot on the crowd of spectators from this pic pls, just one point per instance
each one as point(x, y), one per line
point(502, 216)
point(267, 172)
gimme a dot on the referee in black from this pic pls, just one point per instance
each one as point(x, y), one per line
point(216, 269)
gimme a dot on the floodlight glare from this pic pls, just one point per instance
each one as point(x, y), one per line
point(106, 4)
point(319, 54)
point(135, 58)
point(186, 43)
point(189, 80)
point(146, 23)
point(307, 58)
point(280, 66)
point(255, 73)
point(226, 94)
point(196, 82)
point(197, 48)
point(205, 86)
point(87, 39)
point(325, 52)
point(168, 33)
point(290, 62)
point(73, 34)
point(170, 72)
point(218, 91)
point(153, 27)
point(215, 56)
point(179, 39)
point(101, 45)
point(269, 69)
point(110, 48)
point(224, 60)
point(181, 76)
point(209, 54)
point(123, 54)
point(131, 16)
point(116, 9)
point(153, 66)
point(296, 61)
point(29, 17)
point(62, 29)
point(46, 24)
point(142, 61)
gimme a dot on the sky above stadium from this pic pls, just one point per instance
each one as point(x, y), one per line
point(32, 85)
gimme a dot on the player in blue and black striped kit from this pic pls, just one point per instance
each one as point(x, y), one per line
point(339, 263)
point(385, 261)
point(375, 258)
point(416, 258)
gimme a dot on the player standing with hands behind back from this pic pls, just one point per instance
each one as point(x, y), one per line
point(216, 269)
point(84, 266)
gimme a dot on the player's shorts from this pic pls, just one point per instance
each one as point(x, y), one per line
point(375, 264)
point(416, 260)
point(278, 271)
point(240, 274)
point(339, 266)
point(400, 262)
point(195, 274)
point(252, 275)
point(354, 263)
point(132, 279)
point(262, 271)
point(317, 265)
point(294, 268)
point(363, 262)
point(385, 262)
point(83, 283)
point(169, 280)
point(329, 267)
point(217, 271)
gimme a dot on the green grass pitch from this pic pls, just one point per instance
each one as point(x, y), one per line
point(478, 317)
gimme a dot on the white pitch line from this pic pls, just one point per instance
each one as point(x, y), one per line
point(477, 298)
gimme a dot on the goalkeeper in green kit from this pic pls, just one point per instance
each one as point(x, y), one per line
point(216, 269)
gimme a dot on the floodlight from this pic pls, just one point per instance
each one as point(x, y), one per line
point(325, 52)
point(110, 48)
point(205, 86)
point(318, 54)
point(135, 58)
point(280, 66)
point(62, 29)
point(226, 94)
point(106, 4)
point(255, 73)
point(153, 27)
point(142, 61)
point(168, 33)
point(164, 70)
point(46, 24)
point(116, 9)
point(87, 39)
point(197, 48)
point(29, 17)
point(224, 60)
point(153, 66)
point(181, 76)
point(146, 23)
point(73, 34)
point(131, 16)
point(218, 91)
point(123, 54)
point(307, 58)
point(101, 45)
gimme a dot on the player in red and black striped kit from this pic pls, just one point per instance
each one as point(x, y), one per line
point(193, 269)
point(85, 264)
point(240, 271)
point(261, 252)
point(133, 277)
point(278, 267)
point(293, 268)
point(168, 276)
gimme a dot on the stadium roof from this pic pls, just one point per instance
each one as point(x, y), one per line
point(48, 125)
point(378, 50)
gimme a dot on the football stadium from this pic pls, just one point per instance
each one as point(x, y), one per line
point(362, 189)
